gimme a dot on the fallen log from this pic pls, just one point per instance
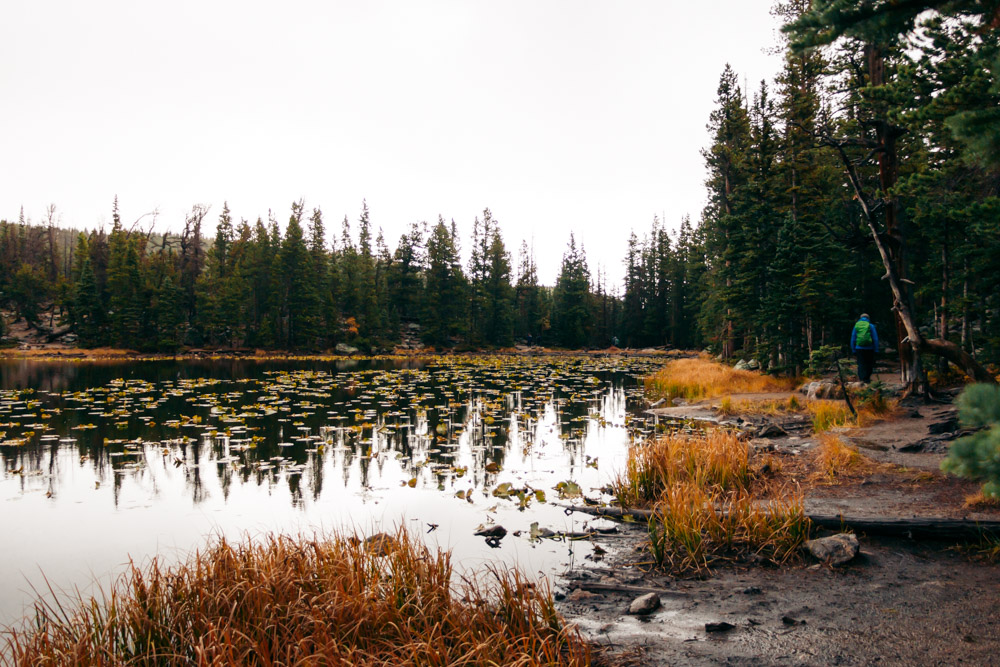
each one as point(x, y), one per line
point(593, 586)
point(925, 528)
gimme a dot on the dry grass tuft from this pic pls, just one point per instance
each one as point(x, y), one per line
point(836, 459)
point(294, 601)
point(981, 501)
point(701, 378)
point(704, 510)
point(717, 461)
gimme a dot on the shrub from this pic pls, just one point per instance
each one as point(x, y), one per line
point(977, 456)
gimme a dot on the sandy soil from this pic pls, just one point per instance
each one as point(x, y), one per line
point(900, 602)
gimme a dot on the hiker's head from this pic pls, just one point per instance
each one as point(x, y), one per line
point(864, 316)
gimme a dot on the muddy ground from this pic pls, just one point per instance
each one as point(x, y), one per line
point(900, 602)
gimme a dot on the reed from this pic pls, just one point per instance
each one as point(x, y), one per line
point(702, 378)
point(701, 491)
point(291, 601)
point(716, 460)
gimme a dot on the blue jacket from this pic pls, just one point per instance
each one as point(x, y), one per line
point(854, 336)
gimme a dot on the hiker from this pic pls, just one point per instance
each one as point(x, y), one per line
point(864, 345)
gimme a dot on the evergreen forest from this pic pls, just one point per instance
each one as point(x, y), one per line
point(865, 178)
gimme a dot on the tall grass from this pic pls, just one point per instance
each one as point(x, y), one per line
point(295, 601)
point(827, 414)
point(717, 460)
point(702, 378)
point(701, 492)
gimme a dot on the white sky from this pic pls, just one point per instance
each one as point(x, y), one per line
point(563, 116)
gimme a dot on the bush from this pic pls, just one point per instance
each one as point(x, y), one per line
point(821, 359)
point(977, 456)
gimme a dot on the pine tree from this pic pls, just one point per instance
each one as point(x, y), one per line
point(300, 303)
point(571, 307)
point(445, 294)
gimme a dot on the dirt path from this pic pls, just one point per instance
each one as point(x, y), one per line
point(901, 602)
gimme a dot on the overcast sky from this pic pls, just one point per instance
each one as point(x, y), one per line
point(576, 115)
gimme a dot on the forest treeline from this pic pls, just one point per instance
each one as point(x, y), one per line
point(865, 178)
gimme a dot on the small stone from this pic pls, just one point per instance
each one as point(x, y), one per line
point(771, 431)
point(644, 604)
point(720, 626)
point(752, 590)
point(788, 620)
point(380, 544)
point(497, 532)
point(835, 550)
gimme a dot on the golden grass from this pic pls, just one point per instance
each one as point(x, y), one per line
point(702, 378)
point(835, 459)
point(716, 460)
point(704, 511)
point(772, 406)
point(294, 601)
point(828, 414)
point(981, 501)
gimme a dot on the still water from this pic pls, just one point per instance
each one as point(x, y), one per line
point(103, 462)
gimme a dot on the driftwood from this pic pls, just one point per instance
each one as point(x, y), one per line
point(593, 586)
point(927, 528)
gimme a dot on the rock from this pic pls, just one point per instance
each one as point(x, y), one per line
point(720, 626)
point(380, 544)
point(752, 590)
point(753, 365)
point(658, 403)
point(817, 389)
point(679, 401)
point(644, 604)
point(497, 532)
point(344, 348)
point(741, 365)
point(947, 426)
point(771, 431)
point(788, 620)
point(835, 550)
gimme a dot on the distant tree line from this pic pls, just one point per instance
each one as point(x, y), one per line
point(258, 285)
point(866, 178)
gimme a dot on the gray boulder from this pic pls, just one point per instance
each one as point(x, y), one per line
point(344, 348)
point(742, 365)
point(835, 550)
point(753, 365)
point(817, 389)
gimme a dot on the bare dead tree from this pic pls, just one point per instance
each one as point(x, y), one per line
point(901, 298)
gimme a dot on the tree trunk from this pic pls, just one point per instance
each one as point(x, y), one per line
point(943, 315)
point(901, 307)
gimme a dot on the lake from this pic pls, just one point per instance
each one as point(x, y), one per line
point(107, 461)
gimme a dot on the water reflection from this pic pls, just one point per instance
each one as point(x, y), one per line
point(145, 454)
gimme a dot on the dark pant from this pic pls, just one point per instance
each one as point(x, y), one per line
point(866, 364)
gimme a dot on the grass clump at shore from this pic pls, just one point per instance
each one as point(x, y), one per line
point(716, 460)
point(292, 601)
point(700, 377)
point(704, 510)
point(828, 414)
